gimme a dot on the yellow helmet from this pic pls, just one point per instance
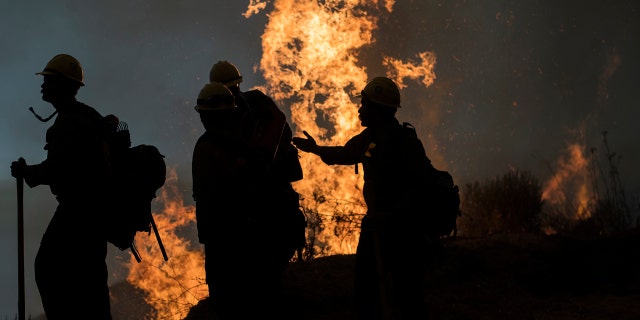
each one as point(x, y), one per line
point(215, 96)
point(383, 91)
point(225, 72)
point(65, 65)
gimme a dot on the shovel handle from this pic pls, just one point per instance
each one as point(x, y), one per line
point(21, 297)
point(155, 230)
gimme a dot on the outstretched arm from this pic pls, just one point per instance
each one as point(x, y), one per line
point(307, 144)
point(351, 153)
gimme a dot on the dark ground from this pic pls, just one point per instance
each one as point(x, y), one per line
point(500, 277)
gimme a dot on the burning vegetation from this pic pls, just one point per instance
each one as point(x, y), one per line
point(310, 64)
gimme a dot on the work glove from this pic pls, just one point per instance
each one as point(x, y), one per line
point(18, 168)
point(307, 145)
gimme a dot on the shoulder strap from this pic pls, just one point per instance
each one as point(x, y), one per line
point(409, 128)
point(412, 139)
point(89, 111)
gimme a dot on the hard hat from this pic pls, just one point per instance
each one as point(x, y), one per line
point(383, 91)
point(215, 96)
point(225, 72)
point(65, 65)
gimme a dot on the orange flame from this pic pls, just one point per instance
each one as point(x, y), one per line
point(309, 62)
point(172, 286)
point(571, 175)
point(310, 65)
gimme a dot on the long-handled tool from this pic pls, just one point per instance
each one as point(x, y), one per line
point(155, 230)
point(134, 250)
point(21, 311)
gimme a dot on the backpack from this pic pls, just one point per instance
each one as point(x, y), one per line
point(440, 195)
point(136, 173)
point(269, 121)
point(445, 205)
point(273, 133)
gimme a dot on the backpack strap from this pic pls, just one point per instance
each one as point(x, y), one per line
point(410, 128)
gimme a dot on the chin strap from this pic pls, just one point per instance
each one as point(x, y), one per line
point(41, 118)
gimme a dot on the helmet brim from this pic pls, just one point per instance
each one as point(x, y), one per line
point(360, 96)
point(233, 82)
point(46, 72)
point(200, 107)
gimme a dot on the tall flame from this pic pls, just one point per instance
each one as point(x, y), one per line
point(571, 175)
point(311, 66)
point(176, 285)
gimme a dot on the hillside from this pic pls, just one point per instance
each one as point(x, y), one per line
point(500, 277)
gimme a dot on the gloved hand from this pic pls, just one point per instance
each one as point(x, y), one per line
point(307, 145)
point(18, 168)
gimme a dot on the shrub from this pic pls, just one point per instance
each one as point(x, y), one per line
point(508, 204)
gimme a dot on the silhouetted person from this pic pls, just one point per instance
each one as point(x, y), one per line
point(264, 127)
point(70, 268)
point(232, 189)
point(390, 257)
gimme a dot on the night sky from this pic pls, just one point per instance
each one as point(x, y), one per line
point(516, 82)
